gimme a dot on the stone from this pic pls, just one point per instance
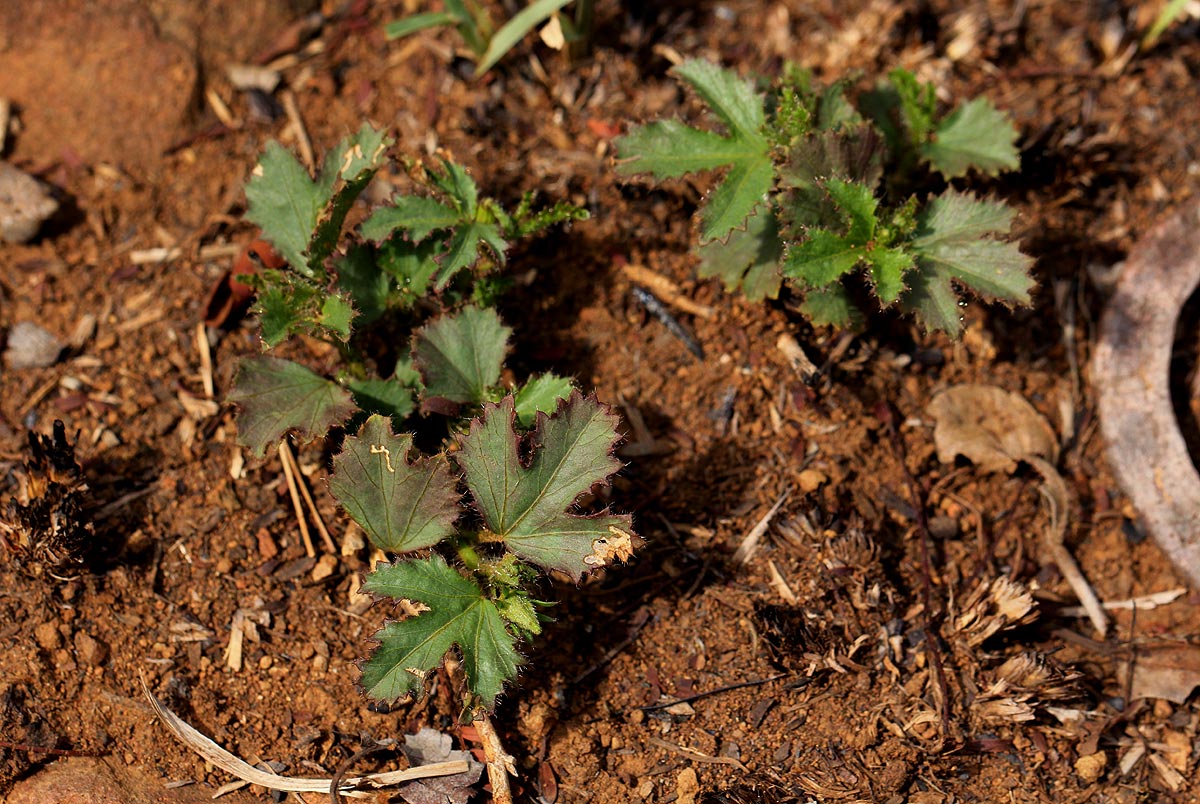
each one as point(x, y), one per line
point(47, 636)
point(1090, 767)
point(89, 780)
point(24, 204)
point(31, 346)
point(90, 651)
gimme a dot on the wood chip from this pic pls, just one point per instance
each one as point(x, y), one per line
point(665, 289)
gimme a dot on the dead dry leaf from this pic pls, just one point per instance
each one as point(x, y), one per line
point(1169, 672)
point(991, 427)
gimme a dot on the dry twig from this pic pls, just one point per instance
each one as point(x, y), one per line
point(215, 754)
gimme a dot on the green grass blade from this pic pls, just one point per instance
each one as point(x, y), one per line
point(515, 30)
point(397, 29)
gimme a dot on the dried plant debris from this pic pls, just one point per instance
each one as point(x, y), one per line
point(1021, 685)
point(47, 526)
point(992, 427)
point(991, 607)
point(850, 605)
point(428, 746)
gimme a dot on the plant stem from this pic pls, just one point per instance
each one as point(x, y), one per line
point(499, 763)
point(585, 17)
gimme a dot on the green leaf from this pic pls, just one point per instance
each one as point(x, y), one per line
point(303, 217)
point(455, 182)
point(960, 218)
point(732, 100)
point(515, 30)
point(1172, 11)
point(401, 506)
point(851, 154)
point(336, 314)
point(821, 259)
point(286, 203)
point(463, 249)
point(411, 265)
point(526, 222)
point(413, 214)
point(953, 244)
point(529, 504)
point(277, 396)
point(284, 307)
point(518, 610)
point(668, 149)
point(975, 135)
point(748, 259)
point(351, 165)
point(745, 185)
point(888, 267)
point(829, 306)
point(835, 110)
point(361, 278)
point(917, 102)
point(858, 203)
point(460, 356)
point(406, 26)
point(392, 397)
point(474, 25)
point(541, 395)
point(931, 298)
point(459, 614)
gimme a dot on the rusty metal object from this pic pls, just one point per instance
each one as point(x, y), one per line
point(1131, 375)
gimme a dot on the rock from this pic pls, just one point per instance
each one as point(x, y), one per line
point(811, 480)
point(47, 636)
point(326, 566)
point(123, 99)
point(1090, 767)
point(90, 651)
point(30, 346)
point(687, 786)
point(24, 204)
point(87, 780)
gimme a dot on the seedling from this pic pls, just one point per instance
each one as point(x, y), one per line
point(489, 44)
point(525, 455)
point(820, 189)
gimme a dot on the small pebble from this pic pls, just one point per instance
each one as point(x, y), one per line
point(90, 651)
point(47, 636)
point(1090, 767)
point(811, 480)
point(24, 204)
point(687, 786)
point(30, 346)
point(326, 566)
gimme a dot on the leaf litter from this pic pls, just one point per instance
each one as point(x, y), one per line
point(1091, 211)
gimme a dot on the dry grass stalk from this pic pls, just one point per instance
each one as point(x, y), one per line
point(206, 364)
point(318, 520)
point(285, 453)
point(303, 143)
point(754, 535)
